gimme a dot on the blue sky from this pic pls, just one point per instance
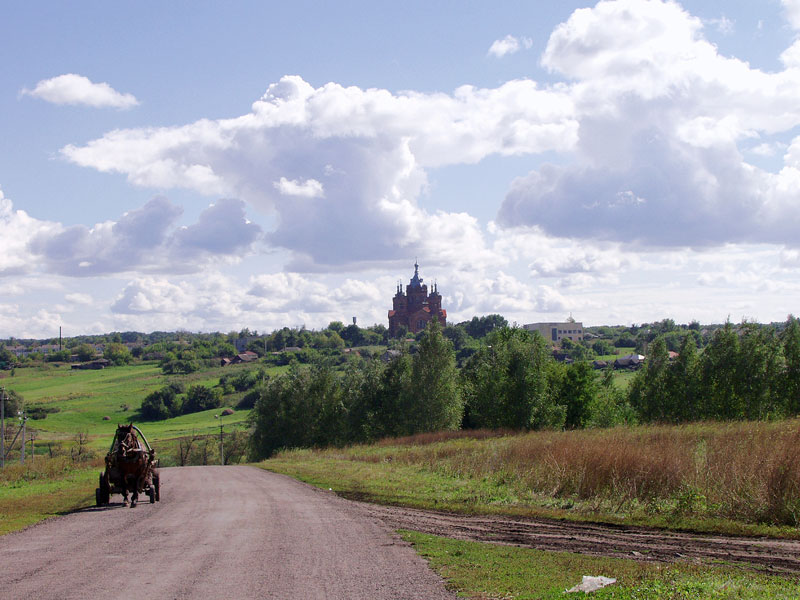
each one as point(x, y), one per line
point(209, 167)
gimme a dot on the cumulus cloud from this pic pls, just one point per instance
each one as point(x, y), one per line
point(79, 298)
point(508, 45)
point(19, 229)
point(366, 151)
point(792, 11)
point(267, 301)
point(311, 188)
point(79, 90)
point(661, 115)
point(146, 239)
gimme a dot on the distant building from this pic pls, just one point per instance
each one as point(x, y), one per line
point(416, 308)
point(630, 361)
point(555, 332)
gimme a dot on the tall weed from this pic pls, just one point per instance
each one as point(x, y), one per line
point(747, 471)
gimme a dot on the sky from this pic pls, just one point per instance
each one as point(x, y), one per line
point(209, 166)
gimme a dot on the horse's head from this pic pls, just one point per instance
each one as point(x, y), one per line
point(126, 439)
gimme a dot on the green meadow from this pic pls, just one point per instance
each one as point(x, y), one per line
point(84, 397)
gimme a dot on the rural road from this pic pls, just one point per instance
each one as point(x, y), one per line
point(218, 532)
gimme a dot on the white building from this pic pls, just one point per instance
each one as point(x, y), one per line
point(555, 332)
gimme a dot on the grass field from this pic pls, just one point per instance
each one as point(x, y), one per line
point(739, 478)
point(44, 488)
point(84, 397)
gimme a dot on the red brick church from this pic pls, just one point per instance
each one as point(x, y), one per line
point(416, 308)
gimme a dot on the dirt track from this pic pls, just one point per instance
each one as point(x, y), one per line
point(241, 532)
point(602, 540)
point(218, 532)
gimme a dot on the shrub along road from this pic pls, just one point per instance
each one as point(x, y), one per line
point(235, 532)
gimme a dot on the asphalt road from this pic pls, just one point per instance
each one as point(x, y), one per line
point(218, 532)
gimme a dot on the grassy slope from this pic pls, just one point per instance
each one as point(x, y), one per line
point(85, 397)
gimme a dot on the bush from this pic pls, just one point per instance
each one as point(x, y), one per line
point(200, 397)
point(118, 354)
point(179, 366)
point(161, 404)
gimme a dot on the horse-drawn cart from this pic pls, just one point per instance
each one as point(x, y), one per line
point(131, 466)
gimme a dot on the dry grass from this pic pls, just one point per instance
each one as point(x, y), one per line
point(44, 469)
point(424, 439)
point(744, 471)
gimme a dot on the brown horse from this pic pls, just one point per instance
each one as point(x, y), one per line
point(131, 463)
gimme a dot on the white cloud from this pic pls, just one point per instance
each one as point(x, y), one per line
point(19, 229)
point(768, 149)
point(79, 298)
point(661, 116)
point(792, 11)
point(311, 188)
point(79, 90)
point(508, 45)
point(146, 239)
point(371, 148)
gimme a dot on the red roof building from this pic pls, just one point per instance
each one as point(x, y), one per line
point(416, 308)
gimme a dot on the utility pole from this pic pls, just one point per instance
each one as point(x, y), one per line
point(24, 420)
point(221, 443)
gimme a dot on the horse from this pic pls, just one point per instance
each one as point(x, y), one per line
point(131, 462)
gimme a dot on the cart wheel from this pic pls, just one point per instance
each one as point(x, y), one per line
point(105, 489)
point(151, 494)
point(98, 497)
point(157, 486)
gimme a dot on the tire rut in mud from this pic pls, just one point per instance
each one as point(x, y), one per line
point(638, 543)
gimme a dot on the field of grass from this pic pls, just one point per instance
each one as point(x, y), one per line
point(44, 488)
point(477, 570)
point(735, 478)
point(84, 397)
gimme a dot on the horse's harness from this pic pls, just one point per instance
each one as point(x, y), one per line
point(129, 446)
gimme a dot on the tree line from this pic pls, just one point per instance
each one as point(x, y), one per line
point(512, 381)
point(745, 372)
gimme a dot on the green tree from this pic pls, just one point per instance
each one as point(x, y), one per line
point(609, 407)
point(161, 404)
point(85, 352)
point(118, 354)
point(301, 408)
point(200, 397)
point(791, 352)
point(434, 396)
point(758, 372)
point(13, 402)
point(60, 356)
point(480, 327)
point(718, 380)
point(336, 326)
point(683, 384)
point(578, 390)
point(603, 347)
point(648, 392)
point(506, 383)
